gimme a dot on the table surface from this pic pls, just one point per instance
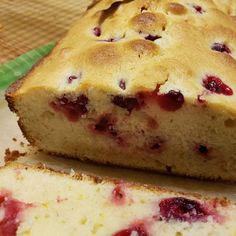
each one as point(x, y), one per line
point(27, 24)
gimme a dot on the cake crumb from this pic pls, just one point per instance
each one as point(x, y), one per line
point(12, 155)
point(14, 139)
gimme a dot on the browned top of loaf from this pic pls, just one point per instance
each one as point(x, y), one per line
point(179, 59)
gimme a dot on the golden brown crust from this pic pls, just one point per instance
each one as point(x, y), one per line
point(10, 92)
point(148, 22)
point(104, 55)
point(176, 8)
point(25, 133)
point(141, 46)
point(14, 87)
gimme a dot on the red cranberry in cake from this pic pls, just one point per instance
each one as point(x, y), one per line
point(2, 198)
point(122, 84)
point(155, 143)
point(128, 103)
point(118, 195)
point(71, 78)
point(72, 108)
point(152, 37)
point(105, 124)
point(138, 230)
point(198, 9)
point(155, 146)
point(97, 31)
point(171, 101)
point(183, 209)
point(12, 210)
point(221, 47)
point(203, 149)
point(216, 85)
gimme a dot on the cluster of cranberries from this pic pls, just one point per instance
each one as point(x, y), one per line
point(72, 108)
point(171, 101)
point(216, 85)
point(175, 208)
point(183, 209)
point(105, 124)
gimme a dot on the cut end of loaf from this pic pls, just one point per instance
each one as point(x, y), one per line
point(163, 132)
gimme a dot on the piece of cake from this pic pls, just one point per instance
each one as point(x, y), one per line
point(37, 201)
point(142, 84)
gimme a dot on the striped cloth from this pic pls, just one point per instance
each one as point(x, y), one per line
point(15, 69)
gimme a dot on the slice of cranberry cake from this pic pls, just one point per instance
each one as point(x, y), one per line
point(142, 84)
point(37, 201)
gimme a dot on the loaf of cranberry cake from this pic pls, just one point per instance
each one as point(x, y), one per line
point(36, 201)
point(142, 84)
